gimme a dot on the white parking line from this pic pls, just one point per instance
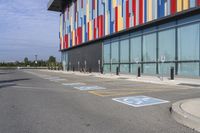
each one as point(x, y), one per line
point(73, 84)
point(88, 88)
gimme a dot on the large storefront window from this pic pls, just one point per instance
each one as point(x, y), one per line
point(149, 69)
point(149, 53)
point(188, 69)
point(166, 49)
point(124, 51)
point(188, 42)
point(106, 52)
point(136, 49)
point(124, 68)
point(106, 68)
point(166, 42)
point(115, 52)
point(149, 47)
point(64, 58)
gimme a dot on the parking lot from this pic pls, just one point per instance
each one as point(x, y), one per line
point(44, 101)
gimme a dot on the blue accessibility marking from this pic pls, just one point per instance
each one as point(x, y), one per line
point(139, 101)
point(89, 88)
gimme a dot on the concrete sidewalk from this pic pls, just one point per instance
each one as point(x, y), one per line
point(187, 112)
point(189, 82)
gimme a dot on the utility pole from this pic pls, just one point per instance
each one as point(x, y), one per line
point(36, 60)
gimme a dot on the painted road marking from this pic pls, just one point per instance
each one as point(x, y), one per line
point(139, 101)
point(73, 84)
point(52, 78)
point(87, 88)
point(120, 92)
point(56, 80)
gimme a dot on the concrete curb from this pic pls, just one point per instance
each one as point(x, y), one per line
point(185, 118)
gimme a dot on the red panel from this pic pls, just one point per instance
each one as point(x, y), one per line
point(75, 37)
point(66, 41)
point(127, 14)
point(134, 11)
point(79, 40)
point(173, 6)
point(102, 25)
point(198, 2)
point(141, 12)
point(116, 19)
point(98, 26)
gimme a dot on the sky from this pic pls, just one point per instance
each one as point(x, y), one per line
point(28, 29)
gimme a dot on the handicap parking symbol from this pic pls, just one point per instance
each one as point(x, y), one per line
point(139, 101)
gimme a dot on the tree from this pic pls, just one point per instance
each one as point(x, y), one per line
point(52, 61)
point(26, 62)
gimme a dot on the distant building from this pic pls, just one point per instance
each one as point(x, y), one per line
point(153, 34)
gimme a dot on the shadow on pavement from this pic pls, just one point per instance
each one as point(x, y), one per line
point(13, 80)
point(6, 85)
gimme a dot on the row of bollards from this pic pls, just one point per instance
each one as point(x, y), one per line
point(139, 72)
point(172, 73)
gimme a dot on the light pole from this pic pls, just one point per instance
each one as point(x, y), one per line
point(36, 56)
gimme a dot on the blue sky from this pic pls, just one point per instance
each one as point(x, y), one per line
point(26, 29)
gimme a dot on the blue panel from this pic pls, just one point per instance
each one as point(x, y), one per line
point(161, 8)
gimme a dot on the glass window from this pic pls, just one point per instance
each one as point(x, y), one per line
point(166, 42)
point(149, 69)
point(124, 51)
point(106, 68)
point(106, 52)
point(188, 42)
point(114, 68)
point(124, 68)
point(115, 52)
point(136, 49)
point(188, 69)
point(134, 68)
point(149, 47)
point(164, 68)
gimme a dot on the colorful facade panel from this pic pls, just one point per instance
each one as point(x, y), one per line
point(86, 20)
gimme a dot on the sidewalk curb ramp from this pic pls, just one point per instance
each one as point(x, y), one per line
point(181, 114)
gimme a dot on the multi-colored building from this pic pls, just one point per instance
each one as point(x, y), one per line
point(152, 34)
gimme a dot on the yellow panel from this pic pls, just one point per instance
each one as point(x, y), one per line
point(179, 5)
point(91, 34)
point(73, 39)
point(150, 2)
point(114, 3)
point(120, 19)
point(185, 4)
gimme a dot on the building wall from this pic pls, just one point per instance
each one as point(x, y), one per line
point(86, 20)
point(175, 43)
point(90, 54)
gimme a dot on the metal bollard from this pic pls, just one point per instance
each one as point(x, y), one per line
point(73, 69)
point(139, 72)
point(101, 70)
point(172, 73)
point(117, 71)
point(90, 70)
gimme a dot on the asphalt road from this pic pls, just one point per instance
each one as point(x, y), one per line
point(32, 101)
